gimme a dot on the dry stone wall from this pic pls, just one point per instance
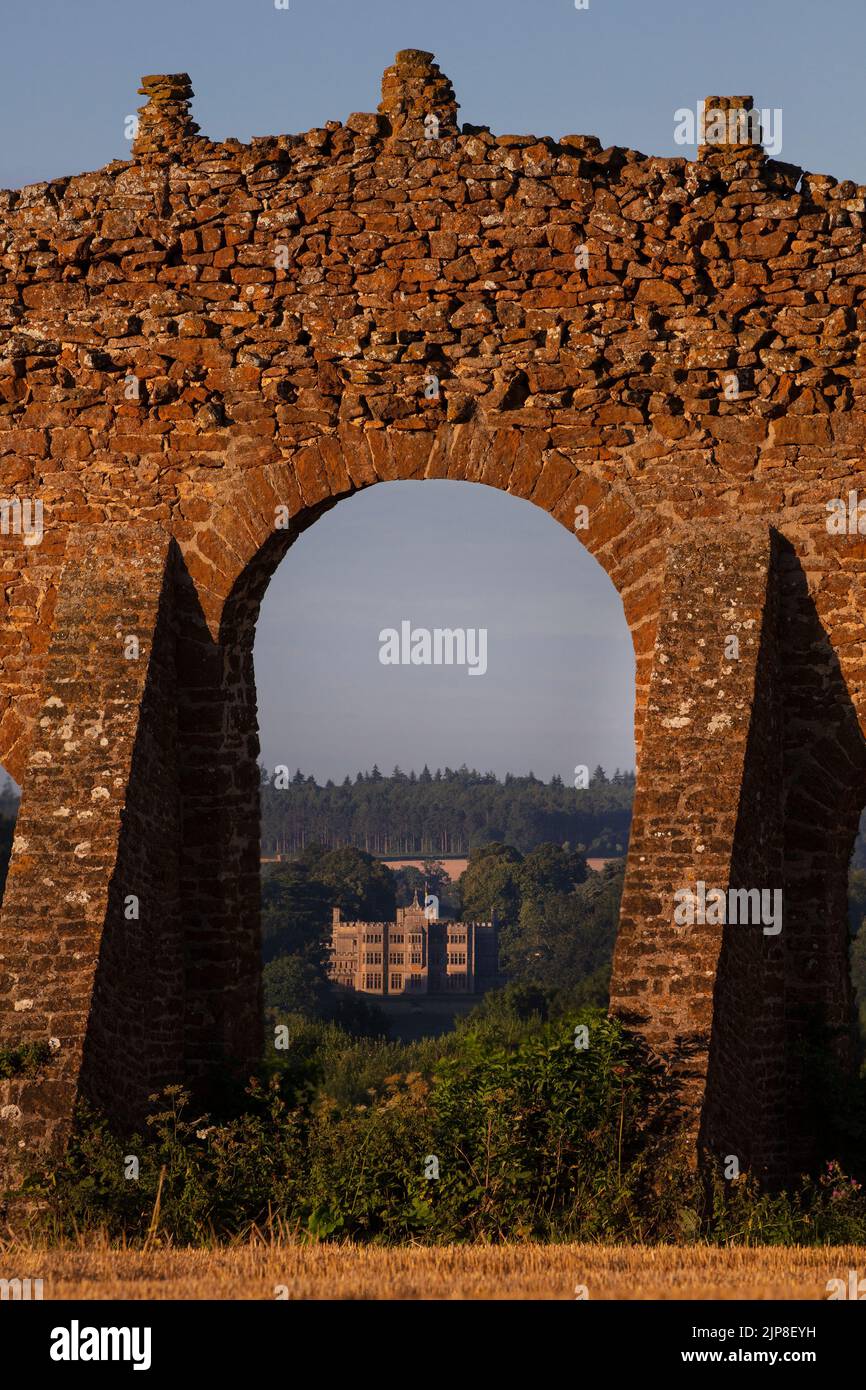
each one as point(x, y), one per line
point(205, 346)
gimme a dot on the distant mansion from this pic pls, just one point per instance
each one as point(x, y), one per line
point(415, 955)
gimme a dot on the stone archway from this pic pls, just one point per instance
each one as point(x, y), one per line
point(207, 333)
point(251, 532)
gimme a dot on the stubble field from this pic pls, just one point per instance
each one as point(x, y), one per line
point(260, 1271)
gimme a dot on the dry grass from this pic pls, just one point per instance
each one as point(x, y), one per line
point(448, 1272)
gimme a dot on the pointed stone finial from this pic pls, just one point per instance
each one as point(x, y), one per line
point(165, 120)
point(417, 99)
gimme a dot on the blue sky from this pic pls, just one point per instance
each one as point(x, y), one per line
point(618, 70)
point(559, 684)
point(559, 688)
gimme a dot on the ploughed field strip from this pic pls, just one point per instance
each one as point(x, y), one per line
point(208, 344)
point(449, 1272)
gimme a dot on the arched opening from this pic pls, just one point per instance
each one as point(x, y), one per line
point(526, 743)
point(10, 800)
point(197, 733)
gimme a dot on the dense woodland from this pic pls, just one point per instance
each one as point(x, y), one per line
point(557, 925)
point(449, 813)
point(446, 813)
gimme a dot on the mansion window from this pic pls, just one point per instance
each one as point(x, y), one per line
point(395, 958)
point(374, 958)
point(396, 981)
point(373, 982)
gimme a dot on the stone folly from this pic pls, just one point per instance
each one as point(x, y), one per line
point(208, 335)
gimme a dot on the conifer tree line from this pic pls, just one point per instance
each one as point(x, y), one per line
point(445, 812)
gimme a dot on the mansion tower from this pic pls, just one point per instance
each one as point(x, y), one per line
point(416, 954)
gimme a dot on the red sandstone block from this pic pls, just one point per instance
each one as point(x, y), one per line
point(793, 429)
point(24, 441)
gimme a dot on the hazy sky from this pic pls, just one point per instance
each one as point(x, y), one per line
point(559, 685)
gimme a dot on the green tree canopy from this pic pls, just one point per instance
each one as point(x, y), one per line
point(490, 884)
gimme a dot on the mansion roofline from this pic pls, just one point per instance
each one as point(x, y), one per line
point(414, 955)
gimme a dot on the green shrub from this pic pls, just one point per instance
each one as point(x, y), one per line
point(501, 1130)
